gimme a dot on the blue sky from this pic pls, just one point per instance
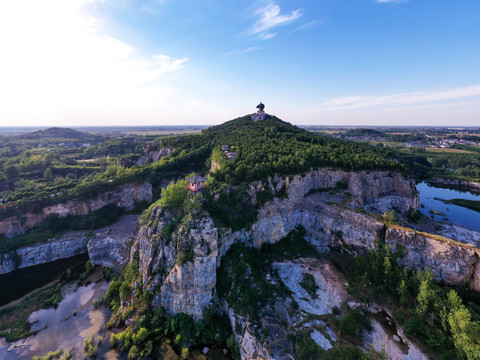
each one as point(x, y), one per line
point(162, 62)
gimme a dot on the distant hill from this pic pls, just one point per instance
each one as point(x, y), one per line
point(364, 132)
point(58, 133)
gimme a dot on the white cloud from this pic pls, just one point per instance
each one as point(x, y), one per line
point(58, 60)
point(270, 18)
point(244, 51)
point(403, 99)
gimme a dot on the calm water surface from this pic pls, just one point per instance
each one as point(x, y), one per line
point(453, 214)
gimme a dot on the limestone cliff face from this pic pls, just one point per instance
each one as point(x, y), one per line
point(108, 246)
point(180, 268)
point(67, 246)
point(375, 190)
point(326, 225)
point(125, 197)
point(153, 155)
point(470, 185)
point(449, 261)
point(188, 287)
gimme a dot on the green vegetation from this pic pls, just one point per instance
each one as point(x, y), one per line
point(428, 311)
point(270, 147)
point(307, 349)
point(469, 204)
point(14, 324)
point(353, 322)
point(90, 347)
point(309, 284)
point(242, 276)
point(56, 355)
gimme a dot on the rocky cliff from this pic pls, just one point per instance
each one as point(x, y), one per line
point(108, 246)
point(376, 191)
point(67, 246)
point(125, 197)
point(178, 259)
point(153, 155)
point(462, 184)
point(179, 266)
point(449, 260)
point(313, 200)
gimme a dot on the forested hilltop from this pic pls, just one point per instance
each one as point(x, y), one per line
point(272, 146)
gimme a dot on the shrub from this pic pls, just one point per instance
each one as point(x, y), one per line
point(309, 284)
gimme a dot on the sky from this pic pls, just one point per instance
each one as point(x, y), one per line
point(202, 62)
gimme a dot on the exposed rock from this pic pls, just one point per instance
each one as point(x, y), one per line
point(375, 190)
point(462, 184)
point(330, 292)
point(109, 246)
point(380, 340)
point(153, 156)
point(179, 286)
point(321, 340)
point(460, 233)
point(248, 344)
point(68, 245)
point(324, 225)
point(125, 197)
point(449, 261)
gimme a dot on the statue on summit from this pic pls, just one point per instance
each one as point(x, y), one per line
point(260, 114)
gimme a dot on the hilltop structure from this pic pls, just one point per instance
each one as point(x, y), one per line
point(260, 114)
point(196, 183)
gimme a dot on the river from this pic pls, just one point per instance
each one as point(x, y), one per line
point(448, 213)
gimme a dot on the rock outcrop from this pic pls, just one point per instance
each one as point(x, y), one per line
point(110, 246)
point(462, 184)
point(153, 156)
point(374, 190)
point(450, 261)
point(181, 267)
point(248, 344)
point(125, 197)
point(69, 245)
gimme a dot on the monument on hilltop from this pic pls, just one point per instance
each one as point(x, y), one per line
point(260, 114)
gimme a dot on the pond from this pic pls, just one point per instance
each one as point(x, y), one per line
point(67, 326)
point(458, 215)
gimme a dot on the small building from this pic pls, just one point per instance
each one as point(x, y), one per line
point(260, 114)
point(196, 183)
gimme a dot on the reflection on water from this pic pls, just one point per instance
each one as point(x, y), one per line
point(59, 327)
point(448, 212)
point(22, 281)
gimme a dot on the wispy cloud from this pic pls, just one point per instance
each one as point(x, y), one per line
point(401, 99)
point(310, 25)
point(243, 51)
point(270, 18)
